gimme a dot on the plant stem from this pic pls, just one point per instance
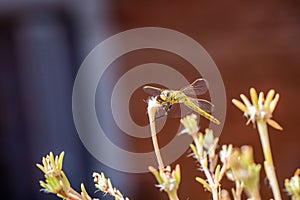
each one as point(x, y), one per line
point(73, 195)
point(255, 195)
point(173, 195)
point(151, 115)
point(268, 164)
point(237, 193)
point(203, 163)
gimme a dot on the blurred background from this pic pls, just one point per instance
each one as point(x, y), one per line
point(42, 44)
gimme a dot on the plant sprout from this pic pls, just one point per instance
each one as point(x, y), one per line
point(216, 161)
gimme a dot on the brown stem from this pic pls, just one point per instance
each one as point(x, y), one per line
point(151, 114)
point(73, 195)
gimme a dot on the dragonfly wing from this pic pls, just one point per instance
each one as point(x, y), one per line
point(181, 110)
point(198, 87)
point(202, 107)
point(178, 110)
point(205, 105)
point(152, 90)
point(161, 112)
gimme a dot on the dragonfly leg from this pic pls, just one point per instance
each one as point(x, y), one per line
point(168, 107)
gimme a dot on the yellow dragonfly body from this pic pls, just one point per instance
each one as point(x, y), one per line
point(168, 98)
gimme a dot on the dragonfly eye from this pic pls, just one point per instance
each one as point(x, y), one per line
point(168, 95)
point(165, 95)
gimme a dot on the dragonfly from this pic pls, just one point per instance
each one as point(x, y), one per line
point(168, 98)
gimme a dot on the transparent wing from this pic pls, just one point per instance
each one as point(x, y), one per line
point(152, 90)
point(180, 110)
point(161, 112)
point(203, 104)
point(175, 111)
point(198, 87)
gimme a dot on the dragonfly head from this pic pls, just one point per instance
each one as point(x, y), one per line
point(165, 95)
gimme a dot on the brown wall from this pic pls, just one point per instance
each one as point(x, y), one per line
point(253, 44)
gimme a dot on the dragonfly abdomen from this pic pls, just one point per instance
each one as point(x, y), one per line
point(196, 108)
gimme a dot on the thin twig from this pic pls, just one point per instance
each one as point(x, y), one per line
point(268, 164)
point(152, 108)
